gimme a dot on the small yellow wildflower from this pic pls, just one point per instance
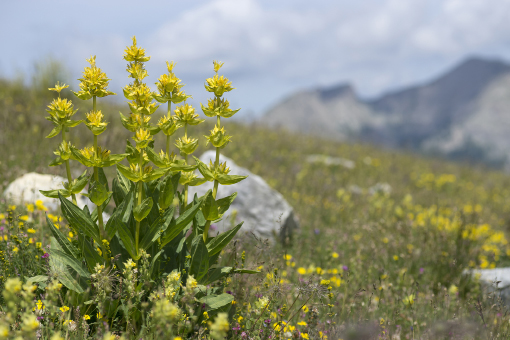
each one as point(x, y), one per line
point(40, 206)
point(395, 257)
point(30, 240)
point(301, 271)
point(305, 336)
point(30, 207)
point(86, 317)
point(31, 231)
point(287, 257)
point(305, 308)
point(71, 234)
point(24, 218)
point(64, 309)
point(15, 249)
point(334, 255)
point(302, 323)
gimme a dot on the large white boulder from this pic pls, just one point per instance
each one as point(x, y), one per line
point(264, 211)
point(495, 280)
point(25, 189)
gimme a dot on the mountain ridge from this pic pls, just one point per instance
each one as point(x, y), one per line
point(425, 117)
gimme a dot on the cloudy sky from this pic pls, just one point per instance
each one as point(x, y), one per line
point(271, 48)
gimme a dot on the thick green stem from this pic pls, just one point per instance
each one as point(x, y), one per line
point(99, 208)
point(68, 169)
point(186, 159)
point(215, 186)
point(140, 193)
point(168, 137)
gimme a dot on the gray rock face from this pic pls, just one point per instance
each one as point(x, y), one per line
point(489, 277)
point(25, 189)
point(264, 211)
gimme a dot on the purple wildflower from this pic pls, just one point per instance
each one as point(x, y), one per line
point(45, 256)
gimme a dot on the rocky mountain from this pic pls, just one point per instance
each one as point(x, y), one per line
point(464, 113)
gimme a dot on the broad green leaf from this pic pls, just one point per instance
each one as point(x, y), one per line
point(73, 123)
point(215, 274)
point(204, 170)
point(62, 239)
point(155, 158)
point(127, 239)
point(98, 194)
point(56, 130)
point(56, 161)
point(90, 254)
point(79, 220)
point(38, 278)
point(113, 159)
point(224, 203)
point(167, 192)
point(229, 179)
point(143, 209)
point(55, 193)
point(246, 271)
point(121, 186)
point(80, 183)
point(154, 174)
point(157, 228)
point(217, 303)
point(178, 225)
point(71, 262)
point(199, 258)
point(154, 261)
point(210, 208)
point(196, 182)
point(220, 241)
point(126, 171)
point(67, 276)
point(102, 178)
point(120, 214)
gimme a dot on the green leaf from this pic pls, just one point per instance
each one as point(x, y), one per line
point(56, 130)
point(166, 195)
point(221, 241)
point(210, 208)
point(102, 178)
point(70, 261)
point(80, 183)
point(127, 239)
point(157, 228)
point(113, 159)
point(73, 123)
point(246, 271)
point(204, 170)
point(224, 203)
point(55, 193)
point(56, 161)
point(126, 171)
point(217, 303)
point(120, 214)
point(229, 179)
point(154, 158)
point(199, 258)
point(215, 274)
point(90, 254)
point(121, 186)
point(67, 276)
point(79, 220)
point(98, 193)
point(38, 278)
point(154, 174)
point(62, 239)
point(143, 209)
point(178, 225)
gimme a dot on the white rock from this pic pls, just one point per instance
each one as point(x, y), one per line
point(264, 211)
point(25, 189)
point(489, 277)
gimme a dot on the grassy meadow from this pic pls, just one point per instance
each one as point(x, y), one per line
point(380, 251)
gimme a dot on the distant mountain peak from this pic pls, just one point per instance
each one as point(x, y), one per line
point(333, 92)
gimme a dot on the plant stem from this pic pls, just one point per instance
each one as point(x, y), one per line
point(186, 159)
point(168, 137)
point(96, 178)
point(140, 192)
point(215, 186)
point(68, 169)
